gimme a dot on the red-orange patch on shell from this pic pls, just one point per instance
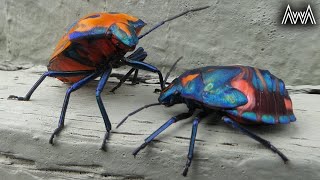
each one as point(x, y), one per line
point(248, 90)
point(188, 78)
point(288, 104)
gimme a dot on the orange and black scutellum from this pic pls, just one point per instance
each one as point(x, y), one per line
point(93, 46)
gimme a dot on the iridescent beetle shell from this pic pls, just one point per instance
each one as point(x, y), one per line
point(93, 41)
point(246, 94)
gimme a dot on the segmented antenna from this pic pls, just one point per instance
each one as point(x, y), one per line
point(171, 69)
point(134, 112)
point(172, 18)
point(168, 74)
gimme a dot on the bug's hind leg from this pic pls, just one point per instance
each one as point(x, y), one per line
point(162, 128)
point(264, 142)
point(192, 141)
point(104, 114)
point(74, 87)
point(138, 55)
point(44, 75)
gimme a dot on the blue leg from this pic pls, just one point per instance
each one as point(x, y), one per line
point(122, 80)
point(146, 67)
point(104, 114)
point(264, 142)
point(135, 77)
point(137, 55)
point(192, 141)
point(51, 74)
point(162, 128)
point(74, 87)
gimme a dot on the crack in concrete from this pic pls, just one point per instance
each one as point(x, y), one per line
point(143, 122)
point(305, 146)
point(14, 159)
point(82, 165)
point(69, 171)
point(85, 135)
point(127, 133)
point(230, 144)
point(184, 138)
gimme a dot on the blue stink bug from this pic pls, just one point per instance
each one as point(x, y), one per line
point(241, 94)
point(93, 46)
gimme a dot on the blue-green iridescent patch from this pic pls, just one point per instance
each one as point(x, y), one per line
point(250, 116)
point(220, 76)
point(267, 78)
point(127, 39)
point(282, 87)
point(96, 32)
point(274, 86)
point(292, 118)
point(258, 82)
point(137, 24)
point(193, 89)
point(269, 119)
point(224, 97)
point(284, 119)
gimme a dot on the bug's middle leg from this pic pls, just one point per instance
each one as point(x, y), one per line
point(264, 142)
point(102, 83)
point(138, 55)
point(74, 87)
point(146, 67)
point(162, 128)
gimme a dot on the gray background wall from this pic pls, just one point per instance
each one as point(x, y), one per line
point(244, 32)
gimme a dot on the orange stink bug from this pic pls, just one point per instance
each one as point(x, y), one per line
point(92, 46)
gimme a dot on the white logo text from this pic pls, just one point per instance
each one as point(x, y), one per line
point(294, 16)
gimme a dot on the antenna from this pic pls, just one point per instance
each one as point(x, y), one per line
point(172, 18)
point(134, 112)
point(171, 69)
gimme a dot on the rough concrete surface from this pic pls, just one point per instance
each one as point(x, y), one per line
point(220, 151)
point(248, 32)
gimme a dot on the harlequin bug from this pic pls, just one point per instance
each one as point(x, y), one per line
point(91, 47)
point(240, 94)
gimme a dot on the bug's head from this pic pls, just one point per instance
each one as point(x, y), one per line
point(170, 95)
point(125, 35)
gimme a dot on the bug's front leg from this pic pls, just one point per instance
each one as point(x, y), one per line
point(102, 83)
point(138, 55)
point(162, 128)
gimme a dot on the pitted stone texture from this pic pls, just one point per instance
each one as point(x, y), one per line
point(247, 32)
